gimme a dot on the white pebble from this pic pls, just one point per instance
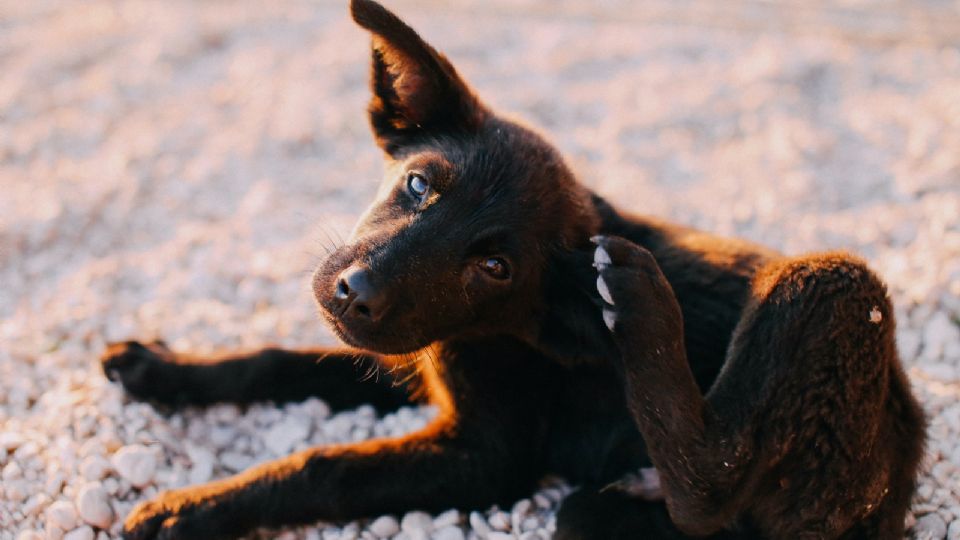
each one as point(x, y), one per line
point(83, 533)
point(201, 464)
point(62, 514)
point(937, 334)
point(384, 527)
point(930, 527)
point(497, 535)
point(93, 505)
point(234, 461)
point(285, 435)
point(35, 504)
point(415, 522)
point(500, 521)
point(519, 511)
point(16, 491)
point(479, 524)
point(448, 533)
point(953, 532)
point(94, 467)
point(12, 471)
point(446, 519)
point(29, 535)
point(136, 464)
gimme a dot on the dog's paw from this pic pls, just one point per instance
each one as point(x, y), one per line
point(634, 291)
point(138, 367)
point(183, 514)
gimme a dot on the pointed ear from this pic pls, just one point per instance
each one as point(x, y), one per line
point(415, 89)
point(572, 330)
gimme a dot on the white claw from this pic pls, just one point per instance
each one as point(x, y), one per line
point(644, 484)
point(601, 257)
point(604, 290)
point(610, 318)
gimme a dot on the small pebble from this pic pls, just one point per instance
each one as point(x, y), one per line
point(416, 522)
point(136, 464)
point(479, 524)
point(384, 526)
point(83, 533)
point(446, 519)
point(930, 527)
point(448, 533)
point(500, 521)
point(93, 505)
point(62, 514)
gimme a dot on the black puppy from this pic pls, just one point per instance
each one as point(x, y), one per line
point(558, 335)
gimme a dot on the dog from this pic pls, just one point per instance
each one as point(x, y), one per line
point(692, 386)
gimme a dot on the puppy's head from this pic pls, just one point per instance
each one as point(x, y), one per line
point(473, 213)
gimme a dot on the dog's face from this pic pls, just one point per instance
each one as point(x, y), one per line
point(472, 212)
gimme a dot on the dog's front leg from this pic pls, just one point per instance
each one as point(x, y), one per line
point(430, 470)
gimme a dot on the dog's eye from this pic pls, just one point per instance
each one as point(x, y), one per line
point(495, 267)
point(417, 186)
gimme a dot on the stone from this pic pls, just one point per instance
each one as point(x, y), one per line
point(94, 467)
point(446, 519)
point(201, 464)
point(953, 532)
point(93, 505)
point(283, 436)
point(416, 522)
point(449, 532)
point(62, 514)
point(83, 533)
point(930, 527)
point(384, 527)
point(12, 471)
point(136, 464)
point(500, 521)
point(479, 524)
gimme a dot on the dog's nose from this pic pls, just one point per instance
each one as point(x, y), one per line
point(358, 295)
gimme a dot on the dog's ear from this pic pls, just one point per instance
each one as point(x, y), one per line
point(572, 330)
point(415, 88)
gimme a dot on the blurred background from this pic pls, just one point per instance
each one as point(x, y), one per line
point(176, 168)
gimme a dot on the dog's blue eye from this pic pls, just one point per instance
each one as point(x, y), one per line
point(417, 186)
point(495, 267)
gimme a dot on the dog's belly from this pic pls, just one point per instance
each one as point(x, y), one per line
point(592, 438)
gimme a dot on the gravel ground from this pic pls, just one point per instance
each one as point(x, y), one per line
point(173, 169)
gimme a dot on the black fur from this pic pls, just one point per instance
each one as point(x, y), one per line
point(765, 390)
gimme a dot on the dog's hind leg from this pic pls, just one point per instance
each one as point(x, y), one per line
point(343, 379)
point(809, 431)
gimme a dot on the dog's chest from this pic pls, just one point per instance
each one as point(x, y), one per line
point(592, 436)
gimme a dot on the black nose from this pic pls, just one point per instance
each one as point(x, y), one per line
point(358, 296)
